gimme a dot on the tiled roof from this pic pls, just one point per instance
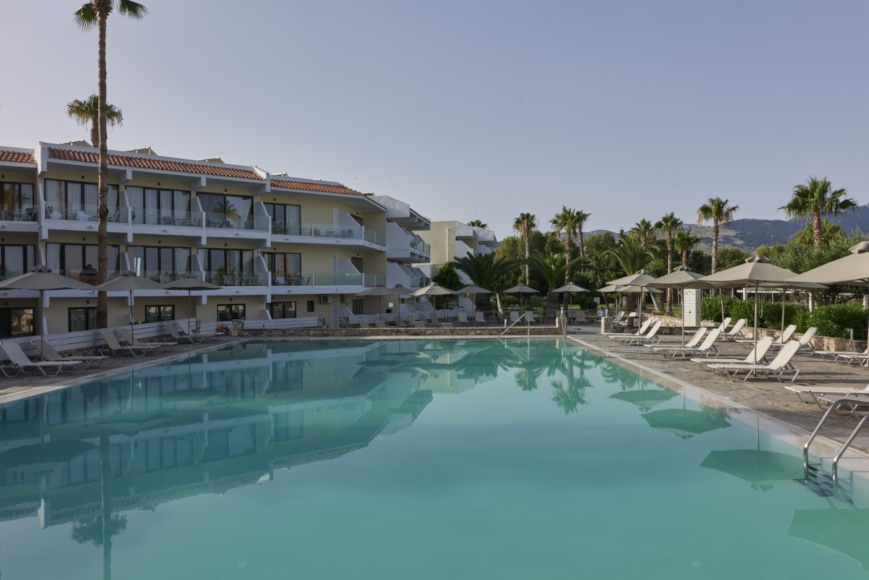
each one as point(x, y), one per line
point(313, 186)
point(155, 164)
point(16, 157)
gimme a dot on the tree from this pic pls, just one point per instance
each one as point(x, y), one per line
point(643, 231)
point(447, 277)
point(477, 224)
point(551, 268)
point(630, 255)
point(581, 218)
point(830, 233)
point(719, 212)
point(683, 242)
point(487, 271)
point(87, 112)
point(566, 222)
point(524, 224)
point(814, 199)
point(90, 15)
point(669, 225)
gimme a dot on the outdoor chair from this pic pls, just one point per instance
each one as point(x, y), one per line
point(756, 355)
point(49, 353)
point(780, 365)
point(706, 348)
point(462, 318)
point(824, 392)
point(178, 337)
point(127, 335)
point(114, 346)
point(480, 317)
point(20, 362)
point(651, 337)
point(695, 340)
point(734, 332)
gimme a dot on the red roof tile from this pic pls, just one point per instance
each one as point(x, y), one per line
point(312, 186)
point(16, 157)
point(156, 164)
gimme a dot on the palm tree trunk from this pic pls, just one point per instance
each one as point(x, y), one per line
point(669, 270)
point(102, 208)
point(527, 255)
point(714, 246)
point(816, 225)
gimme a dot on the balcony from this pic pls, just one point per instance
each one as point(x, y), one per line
point(313, 279)
point(319, 233)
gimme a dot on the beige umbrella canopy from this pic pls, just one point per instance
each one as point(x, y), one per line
point(639, 279)
point(852, 269)
point(381, 291)
point(681, 278)
point(755, 271)
point(432, 289)
point(520, 289)
point(127, 281)
point(570, 289)
point(41, 278)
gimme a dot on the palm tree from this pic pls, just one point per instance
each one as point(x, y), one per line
point(630, 254)
point(90, 15)
point(524, 224)
point(487, 271)
point(669, 225)
point(683, 242)
point(87, 112)
point(566, 222)
point(815, 199)
point(581, 218)
point(477, 224)
point(551, 268)
point(720, 212)
point(643, 231)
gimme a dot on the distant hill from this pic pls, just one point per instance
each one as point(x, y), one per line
point(750, 234)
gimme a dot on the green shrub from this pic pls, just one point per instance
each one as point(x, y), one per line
point(836, 320)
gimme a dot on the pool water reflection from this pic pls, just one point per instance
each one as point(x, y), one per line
point(406, 459)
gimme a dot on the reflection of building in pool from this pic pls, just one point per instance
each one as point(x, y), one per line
point(228, 418)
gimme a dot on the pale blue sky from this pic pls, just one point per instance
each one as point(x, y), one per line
point(475, 108)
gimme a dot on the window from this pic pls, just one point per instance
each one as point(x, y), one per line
point(227, 312)
point(286, 268)
point(159, 206)
point(228, 267)
point(15, 260)
point(65, 199)
point(283, 309)
point(16, 201)
point(159, 313)
point(160, 263)
point(286, 219)
point(16, 322)
point(357, 263)
point(81, 319)
point(356, 306)
point(310, 306)
point(223, 211)
point(72, 260)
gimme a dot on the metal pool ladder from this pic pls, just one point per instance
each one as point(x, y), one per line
point(515, 322)
point(833, 406)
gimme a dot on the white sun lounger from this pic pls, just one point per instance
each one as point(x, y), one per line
point(49, 353)
point(780, 365)
point(651, 337)
point(706, 348)
point(734, 332)
point(755, 356)
point(21, 362)
point(625, 337)
point(692, 342)
point(824, 392)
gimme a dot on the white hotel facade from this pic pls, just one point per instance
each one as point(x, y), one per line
point(278, 246)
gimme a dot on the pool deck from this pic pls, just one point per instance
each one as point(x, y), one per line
point(767, 397)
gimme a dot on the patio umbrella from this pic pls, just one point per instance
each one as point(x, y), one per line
point(41, 278)
point(190, 282)
point(852, 269)
point(681, 278)
point(520, 289)
point(755, 271)
point(845, 531)
point(758, 467)
point(432, 289)
point(685, 423)
point(569, 288)
point(639, 279)
point(381, 291)
point(129, 282)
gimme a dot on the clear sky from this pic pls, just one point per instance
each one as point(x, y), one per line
point(475, 109)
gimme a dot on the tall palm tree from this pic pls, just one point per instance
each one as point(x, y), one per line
point(683, 242)
point(581, 218)
point(551, 268)
point(630, 254)
point(669, 225)
point(719, 211)
point(566, 221)
point(477, 224)
point(487, 271)
point(87, 113)
point(96, 14)
point(643, 231)
point(524, 224)
point(815, 199)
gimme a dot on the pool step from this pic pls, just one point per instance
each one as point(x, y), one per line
point(821, 483)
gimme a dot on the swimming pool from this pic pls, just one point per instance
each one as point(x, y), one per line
point(407, 459)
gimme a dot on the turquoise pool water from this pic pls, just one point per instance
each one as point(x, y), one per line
point(406, 459)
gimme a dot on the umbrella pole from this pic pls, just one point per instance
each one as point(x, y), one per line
point(189, 310)
point(132, 330)
point(41, 327)
point(755, 323)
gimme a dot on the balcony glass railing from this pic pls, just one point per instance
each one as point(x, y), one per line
point(222, 278)
point(160, 218)
point(19, 213)
point(327, 279)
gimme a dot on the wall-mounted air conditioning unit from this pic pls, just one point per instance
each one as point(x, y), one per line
point(324, 299)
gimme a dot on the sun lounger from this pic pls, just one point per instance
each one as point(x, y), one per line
point(131, 341)
point(846, 354)
point(695, 339)
point(706, 348)
point(734, 332)
point(178, 337)
point(20, 362)
point(462, 318)
point(757, 355)
point(824, 392)
point(579, 317)
point(780, 365)
point(50, 353)
point(480, 317)
point(625, 337)
point(195, 335)
point(724, 324)
point(114, 346)
point(651, 337)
